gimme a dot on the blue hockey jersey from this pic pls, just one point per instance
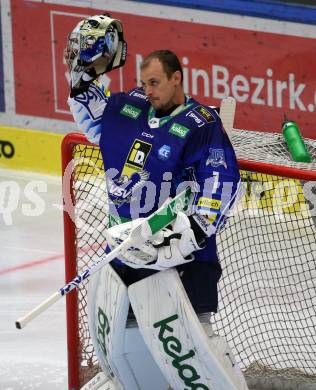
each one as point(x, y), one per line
point(147, 159)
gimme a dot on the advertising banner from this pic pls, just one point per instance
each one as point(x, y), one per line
point(17, 148)
point(269, 74)
point(2, 105)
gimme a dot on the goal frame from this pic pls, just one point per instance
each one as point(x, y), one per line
point(73, 341)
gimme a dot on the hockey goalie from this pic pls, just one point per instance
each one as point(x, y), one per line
point(149, 308)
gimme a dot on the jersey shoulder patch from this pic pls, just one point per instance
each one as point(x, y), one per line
point(129, 105)
point(201, 115)
point(135, 98)
point(138, 94)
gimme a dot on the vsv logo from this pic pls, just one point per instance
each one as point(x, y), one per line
point(216, 158)
point(173, 348)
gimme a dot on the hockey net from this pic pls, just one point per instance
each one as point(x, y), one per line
point(267, 251)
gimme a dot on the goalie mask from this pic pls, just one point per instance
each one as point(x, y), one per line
point(94, 47)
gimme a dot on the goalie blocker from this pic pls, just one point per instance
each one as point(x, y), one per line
point(170, 346)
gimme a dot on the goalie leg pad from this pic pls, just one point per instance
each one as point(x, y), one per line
point(176, 339)
point(108, 305)
point(121, 351)
point(220, 344)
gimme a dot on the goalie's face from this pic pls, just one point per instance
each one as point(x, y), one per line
point(162, 91)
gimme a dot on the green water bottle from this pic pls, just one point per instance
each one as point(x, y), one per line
point(295, 142)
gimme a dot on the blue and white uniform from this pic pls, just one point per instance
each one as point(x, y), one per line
point(147, 159)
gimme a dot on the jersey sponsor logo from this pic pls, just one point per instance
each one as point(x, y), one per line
point(216, 158)
point(203, 223)
point(204, 113)
point(133, 176)
point(103, 331)
point(164, 152)
point(209, 203)
point(139, 95)
point(206, 221)
point(211, 218)
point(197, 120)
point(173, 348)
point(130, 111)
point(179, 130)
point(147, 135)
point(153, 123)
point(6, 149)
point(138, 153)
point(136, 157)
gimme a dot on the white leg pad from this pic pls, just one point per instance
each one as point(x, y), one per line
point(177, 340)
point(121, 351)
point(107, 314)
point(220, 344)
point(100, 382)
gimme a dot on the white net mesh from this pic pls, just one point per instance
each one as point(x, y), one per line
point(269, 148)
point(267, 251)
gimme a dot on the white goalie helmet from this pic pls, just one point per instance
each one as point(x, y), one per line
point(95, 46)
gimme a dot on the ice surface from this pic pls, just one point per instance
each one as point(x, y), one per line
point(31, 268)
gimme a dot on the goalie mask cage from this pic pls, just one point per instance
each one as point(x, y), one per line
point(267, 295)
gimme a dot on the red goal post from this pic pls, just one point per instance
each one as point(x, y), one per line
point(247, 270)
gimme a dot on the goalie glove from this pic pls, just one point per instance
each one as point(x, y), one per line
point(133, 256)
point(179, 237)
point(94, 47)
point(170, 247)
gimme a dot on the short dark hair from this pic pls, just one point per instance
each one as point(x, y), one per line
point(170, 62)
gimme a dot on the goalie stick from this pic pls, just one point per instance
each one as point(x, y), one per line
point(227, 114)
point(139, 235)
